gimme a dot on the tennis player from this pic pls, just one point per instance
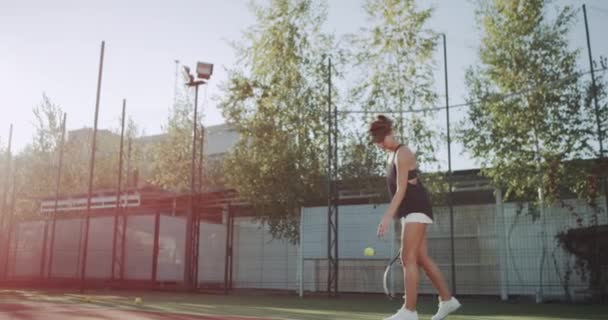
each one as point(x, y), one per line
point(410, 204)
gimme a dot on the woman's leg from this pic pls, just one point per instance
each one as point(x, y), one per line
point(412, 236)
point(432, 271)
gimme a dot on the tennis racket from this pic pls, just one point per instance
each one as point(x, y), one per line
point(385, 280)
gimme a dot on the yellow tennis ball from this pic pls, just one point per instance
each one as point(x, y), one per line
point(369, 252)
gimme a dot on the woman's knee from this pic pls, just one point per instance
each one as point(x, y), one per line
point(409, 259)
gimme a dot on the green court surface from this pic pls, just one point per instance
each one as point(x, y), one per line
point(167, 305)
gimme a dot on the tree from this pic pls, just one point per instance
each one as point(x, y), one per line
point(530, 121)
point(37, 164)
point(213, 176)
point(35, 178)
point(394, 72)
point(134, 160)
point(4, 184)
point(361, 167)
point(394, 58)
point(276, 101)
point(173, 153)
point(528, 114)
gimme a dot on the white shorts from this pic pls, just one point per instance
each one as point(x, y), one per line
point(416, 217)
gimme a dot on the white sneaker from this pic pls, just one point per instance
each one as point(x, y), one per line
point(404, 314)
point(445, 308)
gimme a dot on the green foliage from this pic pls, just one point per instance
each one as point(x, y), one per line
point(393, 56)
point(528, 115)
point(362, 167)
point(36, 166)
point(587, 244)
point(173, 153)
point(276, 101)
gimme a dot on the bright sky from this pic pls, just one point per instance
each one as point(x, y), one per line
point(53, 47)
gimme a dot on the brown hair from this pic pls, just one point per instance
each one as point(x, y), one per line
point(380, 128)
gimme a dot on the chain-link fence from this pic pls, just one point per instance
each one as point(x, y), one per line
point(501, 249)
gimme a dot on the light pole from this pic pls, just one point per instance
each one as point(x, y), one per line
point(203, 73)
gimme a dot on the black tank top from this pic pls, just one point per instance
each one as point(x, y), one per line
point(416, 196)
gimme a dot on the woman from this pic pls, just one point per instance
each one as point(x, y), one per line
point(411, 205)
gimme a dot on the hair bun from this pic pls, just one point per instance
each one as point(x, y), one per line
point(380, 127)
point(383, 118)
